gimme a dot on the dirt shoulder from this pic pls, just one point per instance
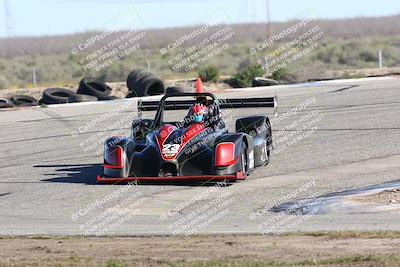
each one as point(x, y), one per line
point(119, 89)
point(386, 197)
point(331, 249)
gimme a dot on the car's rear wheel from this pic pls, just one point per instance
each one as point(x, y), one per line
point(268, 145)
point(268, 153)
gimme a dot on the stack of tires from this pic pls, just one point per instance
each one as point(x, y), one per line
point(141, 82)
point(93, 89)
point(175, 90)
point(89, 90)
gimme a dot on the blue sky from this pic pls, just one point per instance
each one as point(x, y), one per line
point(49, 17)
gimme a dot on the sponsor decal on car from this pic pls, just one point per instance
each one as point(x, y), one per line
point(170, 150)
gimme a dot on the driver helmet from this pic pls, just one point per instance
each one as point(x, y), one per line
point(199, 110)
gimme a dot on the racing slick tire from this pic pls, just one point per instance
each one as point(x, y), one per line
point(56, 96)
point(23, 101)
point(92, 87)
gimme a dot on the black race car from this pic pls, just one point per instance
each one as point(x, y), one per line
point(199, 147)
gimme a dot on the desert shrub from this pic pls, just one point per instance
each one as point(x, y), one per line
point(4, 82)
point(368, 56)
point(209, 73)
point(245, 77)
point(280, 74)
point(307, 72)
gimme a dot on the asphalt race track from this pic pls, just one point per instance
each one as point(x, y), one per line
point(344, 135)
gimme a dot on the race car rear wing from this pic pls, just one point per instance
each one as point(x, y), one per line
point(268, 102)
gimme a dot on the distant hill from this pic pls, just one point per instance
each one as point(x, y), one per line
point(54, 63)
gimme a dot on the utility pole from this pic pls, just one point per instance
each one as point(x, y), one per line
point(34, 77)
point(268, 36)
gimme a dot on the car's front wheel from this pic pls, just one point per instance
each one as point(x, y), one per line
point(243, 159)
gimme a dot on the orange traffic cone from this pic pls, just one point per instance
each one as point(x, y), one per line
point(199, 86)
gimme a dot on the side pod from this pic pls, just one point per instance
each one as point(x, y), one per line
point(118, 151)
point(227, 154)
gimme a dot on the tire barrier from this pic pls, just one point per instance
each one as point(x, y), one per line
point(95, 88)
point(175, 90)
point(76, 98)
point(135, 76)
point(106, 98)
point(23, 101)
point(140, 82)
point(56, 96)
point(6, 105)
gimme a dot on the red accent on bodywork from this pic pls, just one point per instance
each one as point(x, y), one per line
point(164, 132)
point(113, 156)
point(225, 154)
point(238, 176)
point(190, 132)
